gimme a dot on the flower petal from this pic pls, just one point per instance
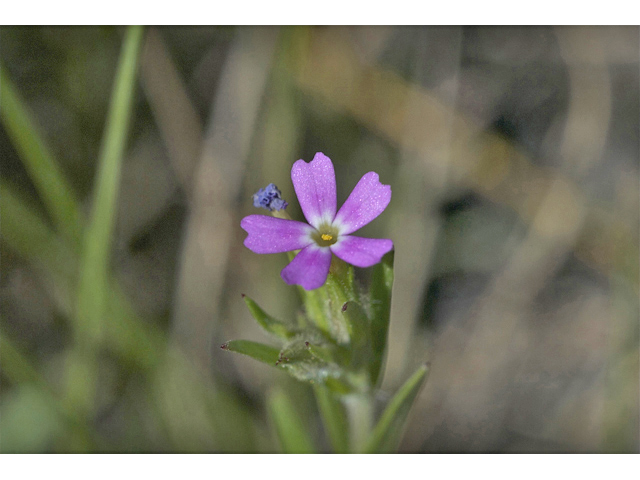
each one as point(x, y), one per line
point(368, 199)
point(361, 252)
point(275, 235)
point(309, 268)
point(315, 186)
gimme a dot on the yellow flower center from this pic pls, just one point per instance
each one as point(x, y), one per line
point(325, 235)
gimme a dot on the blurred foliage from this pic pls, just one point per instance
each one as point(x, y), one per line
point(513, 158)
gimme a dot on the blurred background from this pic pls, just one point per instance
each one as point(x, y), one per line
point(512, 154)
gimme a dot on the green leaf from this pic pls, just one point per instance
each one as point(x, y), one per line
point(316, 308)
point(44, 170)
point(267, 322)
point(298, 360)
point(324, 305)
point(386, 435)
point(360, 344)
point(329, 353)
point(258, 351)
point(290, 429)
point(333, 417)
point(380, 295)
point(94, 283)
point(28, 234)
point(340, 289)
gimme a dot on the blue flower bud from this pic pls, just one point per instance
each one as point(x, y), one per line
point(269, 198)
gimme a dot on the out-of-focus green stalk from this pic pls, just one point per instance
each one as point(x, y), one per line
point(289, 428)
point(333, 418)
point(359, 409)
point(43, 168)
point(138, 344)
point(28, 233)
point(94, 284)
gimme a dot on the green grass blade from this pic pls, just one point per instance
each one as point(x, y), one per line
point(26, 233)
point(386, 435)
point(255, 350)
point(94, 281)
point(137, 344)
point(29, 235)
point(43, 168)
point(290, 429)
point(94, 274)
point(333, 417)
point(380, 294)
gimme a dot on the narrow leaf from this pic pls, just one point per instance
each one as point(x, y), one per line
point(317, 309)
point(266, 321)
point(28, 234)
point(386, 435)
point(333, 417)
point(93, 283)
point(380, 294)
point(93, 286)
point(289, 427)
point(259, 351)
point(44, 170)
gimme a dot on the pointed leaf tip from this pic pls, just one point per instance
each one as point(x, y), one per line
point(267, 322)
point(387, 433)
point(258, 351)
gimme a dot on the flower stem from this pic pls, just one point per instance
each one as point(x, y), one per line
point(360, 417)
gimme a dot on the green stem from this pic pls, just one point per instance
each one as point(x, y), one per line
point(289, 427)
point(333, 417)
point(360, 412)
point(93, 287)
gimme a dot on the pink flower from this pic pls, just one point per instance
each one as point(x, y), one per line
point(327, 232)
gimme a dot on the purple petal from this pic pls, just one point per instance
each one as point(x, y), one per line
point(361, 252)
point(368, 199)
point(275, 235)
point(315, 186)
point(309, 268)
